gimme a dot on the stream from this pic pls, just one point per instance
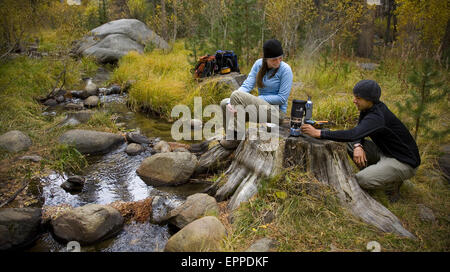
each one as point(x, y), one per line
point(112, 177)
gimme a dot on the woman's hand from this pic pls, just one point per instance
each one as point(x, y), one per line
point(359, 157)
point(310, 130)
point(231, 108)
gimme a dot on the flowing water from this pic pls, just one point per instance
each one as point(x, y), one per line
point(112, 177)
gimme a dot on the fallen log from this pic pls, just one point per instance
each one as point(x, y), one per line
point(326, 160)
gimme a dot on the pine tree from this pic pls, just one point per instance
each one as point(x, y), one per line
point(102, 12)
point(428, 89)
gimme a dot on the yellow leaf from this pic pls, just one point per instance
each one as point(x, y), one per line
point(281, 194)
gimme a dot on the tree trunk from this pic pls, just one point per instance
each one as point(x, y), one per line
point(387, 36)
point(446, 44)
point(255, 160)
point(164, 30)
point(365, 40)
point(175, 20)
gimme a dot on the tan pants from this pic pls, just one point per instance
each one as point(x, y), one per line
point(252, 106)
point(382, 172)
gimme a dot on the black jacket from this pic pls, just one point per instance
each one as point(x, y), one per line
point(385, 130)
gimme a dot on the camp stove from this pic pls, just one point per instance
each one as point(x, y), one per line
point(301, 113)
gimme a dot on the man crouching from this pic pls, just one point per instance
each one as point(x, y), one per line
point(391, 157)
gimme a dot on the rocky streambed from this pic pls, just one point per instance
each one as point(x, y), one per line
point(111, 206)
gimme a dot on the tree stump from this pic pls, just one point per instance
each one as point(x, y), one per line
point(326, 160)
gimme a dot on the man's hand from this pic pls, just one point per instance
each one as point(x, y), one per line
point(310, 130)
point(231, 108)
point(359, 157)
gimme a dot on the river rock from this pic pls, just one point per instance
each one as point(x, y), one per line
point(60, 99)
point(73, 106)
point(50, 102)
point(135, 137)
point(110, 41)
point(181, 149)
point(88, 224)
point(15, 141)
point(91, 89)
point(134, 149)
point(204, 234)
point(91, 101)
point(33, 158)
point(196, 206)
point(162, 147)
point(425, 213)
point(166, 169)
point(19, 227)
point(73, 184)
point(80, 94)
point(263, 245)
point(91, 142)
point(114, 89)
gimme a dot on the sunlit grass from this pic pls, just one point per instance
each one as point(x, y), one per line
point(163, 80)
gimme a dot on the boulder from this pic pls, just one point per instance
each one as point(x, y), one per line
point(91, 142)
point(134, 149)
point(263, 245)
point(204, 234)
point(110, 41)
point(15, 141)
point(166, 169)
point(19, 227)
point(196, 206)
point(88, 224)
point(162, 147)
point(91, 101)
point(135, 137)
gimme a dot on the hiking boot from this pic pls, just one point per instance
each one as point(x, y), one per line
point(393, 195)
point(229, 144)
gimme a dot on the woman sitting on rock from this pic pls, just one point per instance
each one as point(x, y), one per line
point(273, 77)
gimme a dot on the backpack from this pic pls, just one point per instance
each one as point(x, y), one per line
point(226, 59)
point(206, 66)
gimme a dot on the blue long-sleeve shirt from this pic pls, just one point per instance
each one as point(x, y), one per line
point(276, 89)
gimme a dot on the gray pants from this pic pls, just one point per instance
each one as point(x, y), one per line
point(382, 172)
point(246, 99)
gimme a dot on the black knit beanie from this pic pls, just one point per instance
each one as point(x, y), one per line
point(368, 89)
point(272, 49)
